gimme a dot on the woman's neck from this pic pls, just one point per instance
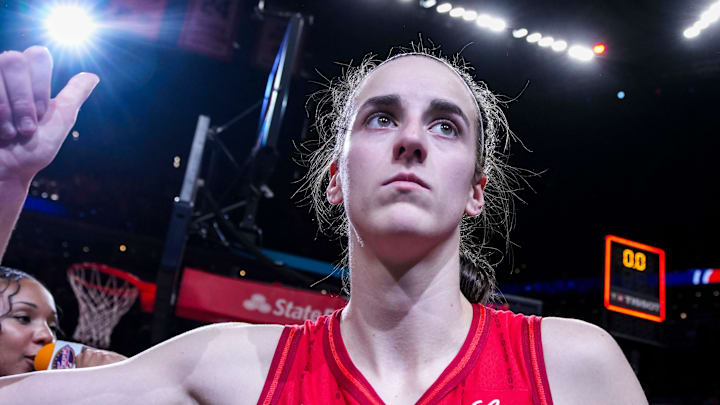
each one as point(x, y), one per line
point(404, 314)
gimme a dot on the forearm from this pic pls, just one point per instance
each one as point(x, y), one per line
point(12, 197)
point(116, 384)
point(43, 387)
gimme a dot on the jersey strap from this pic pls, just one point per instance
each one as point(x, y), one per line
point(281, 365)
point(532, 347)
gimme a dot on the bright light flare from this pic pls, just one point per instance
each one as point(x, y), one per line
point(444, 8)
point(484, 21)
point(559, 46)
point(546, 41)
point(711, 15)
point(70, 25)
point(534, 37)
point(470, 15)
point(691, 32)
point(457, 12)
point(701, 24)
point(497, 25)
point(519, 33)
point(581, 53)
point(490, 22)
point(707, 18)
point(599, 49)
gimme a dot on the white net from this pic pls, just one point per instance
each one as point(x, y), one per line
point(103, 298)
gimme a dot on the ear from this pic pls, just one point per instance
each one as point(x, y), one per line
point(476, 202)
point(334, 189)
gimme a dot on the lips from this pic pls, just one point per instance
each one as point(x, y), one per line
point(31, 361)
point(407, 177)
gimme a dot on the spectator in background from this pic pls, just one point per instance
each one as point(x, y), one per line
point(29, 321)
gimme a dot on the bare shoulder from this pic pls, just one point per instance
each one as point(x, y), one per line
point(227, 361)
point(585, 365)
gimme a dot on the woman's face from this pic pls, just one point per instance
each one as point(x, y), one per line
point(27, 327)
point(408, 164)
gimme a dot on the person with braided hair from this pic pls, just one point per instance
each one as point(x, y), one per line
point(411, 158)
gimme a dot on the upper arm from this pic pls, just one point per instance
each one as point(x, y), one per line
point(207, 365)
point(234, 364)
point(585, 365)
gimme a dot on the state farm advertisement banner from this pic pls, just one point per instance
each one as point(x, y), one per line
point(212, 298)
point(142, 17)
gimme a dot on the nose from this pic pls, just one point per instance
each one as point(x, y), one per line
point(43, 334)
point(410, 145)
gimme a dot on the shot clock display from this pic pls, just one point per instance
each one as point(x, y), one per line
point(634, 279)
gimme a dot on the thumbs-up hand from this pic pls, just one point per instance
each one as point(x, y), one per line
point(32, 125)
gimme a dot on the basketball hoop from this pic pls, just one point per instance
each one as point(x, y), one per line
point(104, 295)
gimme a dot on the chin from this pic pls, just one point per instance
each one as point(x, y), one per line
point(406, 233)
point(403, 225)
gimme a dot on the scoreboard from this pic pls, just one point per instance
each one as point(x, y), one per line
point(634, 279)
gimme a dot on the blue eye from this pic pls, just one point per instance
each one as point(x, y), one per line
point(444, 128)
point(380, 121)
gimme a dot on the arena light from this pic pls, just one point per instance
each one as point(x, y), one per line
point(69, 25)
point(534, 37)
point(497, 25)
point(545, 42)
point(691, 32)
point(559, 46)
point(712, 14)
point(444, 8)
point(470, 15)
point(427, 3)
point(581, 53)
point(707, 18)
point(457, 12)
point(520, 33)
point(701, 24)
point(483, 21)
point(489, 22)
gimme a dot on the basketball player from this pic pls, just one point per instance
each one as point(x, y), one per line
point(408, 153)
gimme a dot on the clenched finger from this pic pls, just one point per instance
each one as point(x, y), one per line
point(70, 98)
point(41, 64)
point(7, 129)
point(16, 76)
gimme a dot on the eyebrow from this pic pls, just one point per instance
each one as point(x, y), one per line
point(439, 105)
point(388, 100)
point(34, 306)
point(26, 303)
point(449, 107)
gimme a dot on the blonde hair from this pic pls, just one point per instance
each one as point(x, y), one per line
point(334, 105)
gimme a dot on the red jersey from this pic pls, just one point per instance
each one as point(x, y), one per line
point(500, 363)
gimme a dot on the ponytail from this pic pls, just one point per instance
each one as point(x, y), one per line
point(477, 282)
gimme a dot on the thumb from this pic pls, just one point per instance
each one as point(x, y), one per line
point(76, 91)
